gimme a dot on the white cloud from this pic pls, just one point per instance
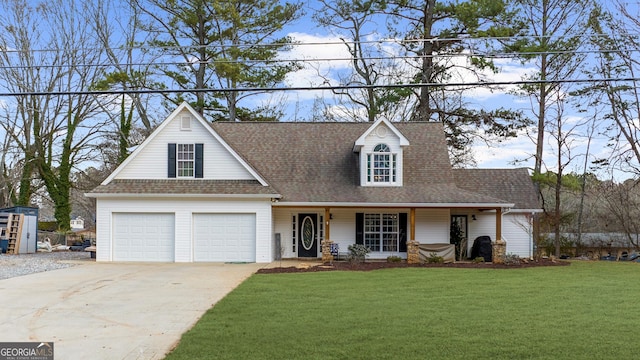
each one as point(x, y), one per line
point(326, 59)
point(321, 55)
point(509, 71)
point(504, 154)
point(317, 54)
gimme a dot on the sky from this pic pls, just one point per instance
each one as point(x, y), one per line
point(513, 152)
point(326, 45)
point(504, 155)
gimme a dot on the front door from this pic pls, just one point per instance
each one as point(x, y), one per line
point(308, 235)
point(458, 235)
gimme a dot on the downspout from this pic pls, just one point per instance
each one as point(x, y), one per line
point(532, 219)
point(502, 213)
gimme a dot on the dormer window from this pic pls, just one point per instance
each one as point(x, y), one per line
point(381, 165)
point(380, 151)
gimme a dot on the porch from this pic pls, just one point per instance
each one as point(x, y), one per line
point(327, 232)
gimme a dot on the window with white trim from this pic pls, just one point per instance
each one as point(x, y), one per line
point(185, 160)
point(294, 234)
point(381, 232)
point(381, 165)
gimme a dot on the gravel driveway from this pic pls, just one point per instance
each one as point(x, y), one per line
point(24, 264)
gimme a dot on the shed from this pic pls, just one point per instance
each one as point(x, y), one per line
point(29, 230)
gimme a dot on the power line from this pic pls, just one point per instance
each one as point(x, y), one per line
point(317, 88)
point(146, 46)
point(266, 63)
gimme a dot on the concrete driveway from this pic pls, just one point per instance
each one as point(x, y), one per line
point(113, 310)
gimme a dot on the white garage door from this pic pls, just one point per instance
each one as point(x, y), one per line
point(224, 237)
point(143, 237)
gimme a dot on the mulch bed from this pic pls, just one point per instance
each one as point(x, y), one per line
point(376, 265)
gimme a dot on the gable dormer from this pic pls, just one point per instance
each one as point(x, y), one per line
point(380, 151)
point(184, 146)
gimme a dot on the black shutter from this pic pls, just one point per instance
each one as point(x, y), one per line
point(402, 226)
point(199, 155)
point(171, 161)
point(360, 228)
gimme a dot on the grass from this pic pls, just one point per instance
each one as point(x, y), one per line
point(584, 311)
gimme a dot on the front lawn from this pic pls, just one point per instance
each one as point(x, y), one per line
point(588, 310)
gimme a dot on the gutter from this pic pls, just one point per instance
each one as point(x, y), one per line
point(394, 205)
point(191, 196)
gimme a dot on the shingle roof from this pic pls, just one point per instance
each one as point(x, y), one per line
point(184, 186)
point(512, 184)
point(315, 162)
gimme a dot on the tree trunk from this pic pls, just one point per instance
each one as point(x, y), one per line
point(24, 197)
point(424, 110)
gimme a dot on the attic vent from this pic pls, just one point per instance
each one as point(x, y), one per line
point(185, 123)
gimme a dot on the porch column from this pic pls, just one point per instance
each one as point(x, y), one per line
point(327, 257)
point(499, 225)
point(413, 246)
point(412, 224)
point(499, 247)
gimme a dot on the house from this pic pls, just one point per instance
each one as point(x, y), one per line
point(77, 223)
point(196, 191)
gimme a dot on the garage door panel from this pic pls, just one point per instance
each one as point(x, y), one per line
point(224, 237)
point(143, 237)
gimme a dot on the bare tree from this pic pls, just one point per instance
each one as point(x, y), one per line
point(118, 29)
point(21, 73)
point(9, 170)
point(56, 132)
point(558, 29)
point(356, 23)
point(563, 137)
point(432, 48)
point(620, 99)
point(621, 208)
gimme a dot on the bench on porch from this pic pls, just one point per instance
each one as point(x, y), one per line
point(337, 255)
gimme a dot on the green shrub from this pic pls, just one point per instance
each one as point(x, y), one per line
point(358, 252)
point(50, 226)
point(394, 259)
point(435, 259)
point(478, 260)
point(511, 259)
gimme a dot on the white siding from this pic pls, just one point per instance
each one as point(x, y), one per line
point(151, 161)
point(343, 227)
point(375, 137)
point(381, 135)
point(432, 226)
point(517, 232)
point(183, 209)
point(282, 225)
point(485, 224)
